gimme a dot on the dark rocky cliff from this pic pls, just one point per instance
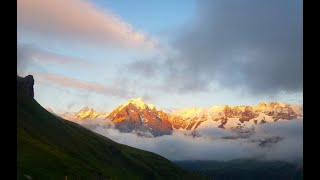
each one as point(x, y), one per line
point(25, 85)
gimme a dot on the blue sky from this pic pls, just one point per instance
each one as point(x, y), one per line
point(154, 17)
point(174, 54)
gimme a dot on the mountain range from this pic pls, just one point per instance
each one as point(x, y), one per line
point(135, 115)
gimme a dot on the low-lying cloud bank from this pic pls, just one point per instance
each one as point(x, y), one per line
point(271, 141)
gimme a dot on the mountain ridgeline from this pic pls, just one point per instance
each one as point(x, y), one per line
point(49, 147)
point(135, 115)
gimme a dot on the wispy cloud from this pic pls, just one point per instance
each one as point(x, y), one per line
point(78, 20)
point(64, 81)
point(28, 54)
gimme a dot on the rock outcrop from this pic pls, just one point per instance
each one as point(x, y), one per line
point(25, 85)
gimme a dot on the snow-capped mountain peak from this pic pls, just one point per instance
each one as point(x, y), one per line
point(87, 112)
point(138, 103)
point(84, 113)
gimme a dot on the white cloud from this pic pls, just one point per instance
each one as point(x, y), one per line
point(211, 145)
point(64, 81)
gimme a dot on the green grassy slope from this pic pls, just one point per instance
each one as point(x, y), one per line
point(52, 148)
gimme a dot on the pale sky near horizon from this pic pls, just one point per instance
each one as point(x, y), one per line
point(172, 53)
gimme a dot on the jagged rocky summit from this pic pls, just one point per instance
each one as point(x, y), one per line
point(25, 85)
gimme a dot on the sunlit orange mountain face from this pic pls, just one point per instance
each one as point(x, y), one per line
point(135, 115)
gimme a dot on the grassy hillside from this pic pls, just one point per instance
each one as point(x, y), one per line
point(53, 148)
point(245, 169)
